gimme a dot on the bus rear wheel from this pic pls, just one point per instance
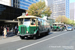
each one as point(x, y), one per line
point(22, 37)
point(58, 29)
point(48, 31)
point(35, 37)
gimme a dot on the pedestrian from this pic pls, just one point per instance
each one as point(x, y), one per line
point(51, 27)
point(1, 30)
point(7, 29)
point(5, 32)
point(16, 30)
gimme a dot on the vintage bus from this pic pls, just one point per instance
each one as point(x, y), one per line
point(32, 26)
point(58, 27)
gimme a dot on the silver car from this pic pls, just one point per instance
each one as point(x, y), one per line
point(69, 28)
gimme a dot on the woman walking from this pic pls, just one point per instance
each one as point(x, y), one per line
point(5, 32)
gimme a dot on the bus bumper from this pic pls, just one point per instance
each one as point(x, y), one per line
point(27, 35)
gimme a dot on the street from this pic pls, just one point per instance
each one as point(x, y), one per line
point(62, 40)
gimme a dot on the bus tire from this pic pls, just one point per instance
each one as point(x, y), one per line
point(48, 32)
point(35, 37)
point(22, 37)
point(38, 34)
point(58, 30)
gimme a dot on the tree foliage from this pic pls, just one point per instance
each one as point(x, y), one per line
point(39, 8)
point(64, 19)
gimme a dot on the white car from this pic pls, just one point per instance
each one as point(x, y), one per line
point(69, 28)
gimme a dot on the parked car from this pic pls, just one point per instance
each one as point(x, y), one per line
point(69, 28)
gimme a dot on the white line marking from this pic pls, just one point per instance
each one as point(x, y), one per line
point(41, 41)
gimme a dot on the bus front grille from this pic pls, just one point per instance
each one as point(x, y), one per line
point(23, 30)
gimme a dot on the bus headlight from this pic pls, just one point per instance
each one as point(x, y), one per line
point(34, 32)
point(26, 31)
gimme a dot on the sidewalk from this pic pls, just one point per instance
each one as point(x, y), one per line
point(9, 34)
point(9, 40)
point(11, 37)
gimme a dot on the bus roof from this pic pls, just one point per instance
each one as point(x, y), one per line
point(58, 23)
point(31, 17)
point(26, 17)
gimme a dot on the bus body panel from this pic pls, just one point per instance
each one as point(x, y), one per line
point(27, 30)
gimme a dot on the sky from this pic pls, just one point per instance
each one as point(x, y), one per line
point(72, 1)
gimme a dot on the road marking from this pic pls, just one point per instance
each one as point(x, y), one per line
point(41, 41)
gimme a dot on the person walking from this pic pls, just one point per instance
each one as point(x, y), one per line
point(16, 30)
point(5, 32)
point(1, 30)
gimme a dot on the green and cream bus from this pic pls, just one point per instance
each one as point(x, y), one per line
point(32, 26)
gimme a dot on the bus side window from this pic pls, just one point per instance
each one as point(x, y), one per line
point(33, 22)
point(38, 23)
point(20, 21)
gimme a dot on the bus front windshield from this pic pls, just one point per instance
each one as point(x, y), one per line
point(26, 19)
point(26, 22)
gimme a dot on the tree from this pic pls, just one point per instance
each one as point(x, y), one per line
point(62, 19)
point(71, 22)
point(39, 8)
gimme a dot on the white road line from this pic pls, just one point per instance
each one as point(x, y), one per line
point(41, 41)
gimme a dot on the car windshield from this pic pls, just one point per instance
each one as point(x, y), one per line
point(69, 27)
point(54, 24)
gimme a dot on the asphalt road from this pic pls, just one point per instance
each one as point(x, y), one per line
point(63, 40)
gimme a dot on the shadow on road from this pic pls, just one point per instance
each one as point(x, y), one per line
point(42, 36)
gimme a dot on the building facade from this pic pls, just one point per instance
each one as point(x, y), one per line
point(23, 4)
point(59, 7)
point(5, 2)
point(72, 11)
point(8, 15)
